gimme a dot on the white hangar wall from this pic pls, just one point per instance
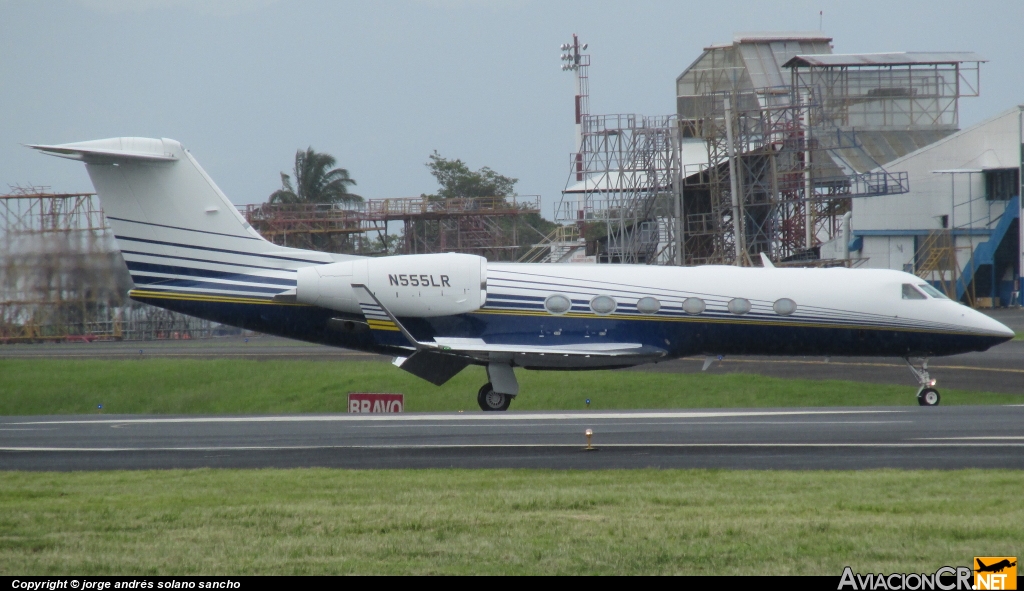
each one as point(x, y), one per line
point(951, 187)
point(992, 144)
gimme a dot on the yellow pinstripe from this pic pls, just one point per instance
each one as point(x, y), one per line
point(387, 325)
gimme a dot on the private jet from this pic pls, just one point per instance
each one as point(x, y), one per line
point(189, 250)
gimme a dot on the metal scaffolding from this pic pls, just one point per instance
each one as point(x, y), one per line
point(487, 226)
point(898, 91)
point(313, 226)
point(62, 278)
point(773, 137)
point(796, 150)
point(624, 198)
point(774, 151)
point(621, 194)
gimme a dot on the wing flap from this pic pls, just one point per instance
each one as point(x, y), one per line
point(436, 368)
point(458, 345)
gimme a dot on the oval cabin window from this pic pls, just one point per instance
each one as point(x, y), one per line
point(603, 305)
point(693, 305)
point(739, 306)
point(557, 304)
point(784, 307)
point(648, 306)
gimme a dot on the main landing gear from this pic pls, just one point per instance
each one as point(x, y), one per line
point(498, 393)
point(927, 395)
point(488, 399)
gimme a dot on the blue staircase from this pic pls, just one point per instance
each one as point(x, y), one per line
point(986, 251)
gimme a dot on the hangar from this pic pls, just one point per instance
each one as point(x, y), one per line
point(959, 224)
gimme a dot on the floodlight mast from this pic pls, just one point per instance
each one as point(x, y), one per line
point(578, 63)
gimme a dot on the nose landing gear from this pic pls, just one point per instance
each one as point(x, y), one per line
point(927, 395)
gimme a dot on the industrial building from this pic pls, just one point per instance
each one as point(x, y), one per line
point(780, 146)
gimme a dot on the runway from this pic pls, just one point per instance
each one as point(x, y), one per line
point(801, 439)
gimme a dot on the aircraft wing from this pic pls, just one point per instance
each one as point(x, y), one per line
point(459, 345)
point(380, 319)
point(439, 360)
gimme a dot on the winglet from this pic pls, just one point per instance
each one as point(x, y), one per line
point(767, 262)
point(707, 362)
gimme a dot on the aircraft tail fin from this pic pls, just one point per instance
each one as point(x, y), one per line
point(154, 183)
point(179, 234)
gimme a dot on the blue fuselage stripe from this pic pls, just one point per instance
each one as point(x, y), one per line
point(160, 255)
point(210, 249)
point(110, 217)
point(207, 273)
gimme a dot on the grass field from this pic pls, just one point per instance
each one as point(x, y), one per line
point(312, 521)
point(505, 521)
point(184, 386)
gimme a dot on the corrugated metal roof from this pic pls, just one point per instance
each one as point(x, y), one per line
point(764, 58)
point(755, 61)
point(768, 36)
point(904, 58)
point(881, 147)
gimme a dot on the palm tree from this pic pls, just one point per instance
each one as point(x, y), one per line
point(316, 181)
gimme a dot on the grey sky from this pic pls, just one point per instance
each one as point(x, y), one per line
point(380, 85)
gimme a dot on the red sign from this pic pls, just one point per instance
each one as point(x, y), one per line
point(374, 402)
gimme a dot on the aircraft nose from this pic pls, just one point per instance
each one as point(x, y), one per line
point(987, 326)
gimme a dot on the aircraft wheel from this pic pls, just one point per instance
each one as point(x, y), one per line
point(928, 397)
point(490, 400)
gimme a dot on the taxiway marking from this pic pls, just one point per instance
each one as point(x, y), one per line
point(986, 438)
point(497, 446)
point(459, 417)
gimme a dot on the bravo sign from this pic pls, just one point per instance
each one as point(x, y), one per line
point(375, 402)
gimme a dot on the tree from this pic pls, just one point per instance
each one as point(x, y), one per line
point(388, 244)
point(457, 180)
point(316, 181)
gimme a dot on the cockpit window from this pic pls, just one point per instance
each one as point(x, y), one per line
point(932, 291)
point(911, 293)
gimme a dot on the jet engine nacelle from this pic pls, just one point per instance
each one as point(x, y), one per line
point(417, 285)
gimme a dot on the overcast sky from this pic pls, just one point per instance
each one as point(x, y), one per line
point(380, 85)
